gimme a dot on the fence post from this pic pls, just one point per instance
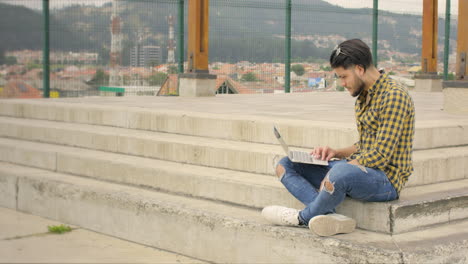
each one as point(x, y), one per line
point(375, 27)
point(447, 38)
point(45, 52)
point(287, 63)
point(180, 40)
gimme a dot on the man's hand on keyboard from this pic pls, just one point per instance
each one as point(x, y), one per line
point(323, 153)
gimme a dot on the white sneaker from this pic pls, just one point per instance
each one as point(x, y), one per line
point(274, 161)
point(280, 215)
point(331, 224)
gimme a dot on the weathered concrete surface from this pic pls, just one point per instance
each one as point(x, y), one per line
point(428, 85)
point(243, 188)
point(24, 238)
point(418, 206)
point(203, 229)
point(125, 140)
point(196, 87)
point(305, 120)
point(456, 100)
point(431, 166)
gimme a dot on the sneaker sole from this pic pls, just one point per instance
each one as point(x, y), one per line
point(325, 225)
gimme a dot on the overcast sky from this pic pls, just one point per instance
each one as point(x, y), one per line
point(400, 6)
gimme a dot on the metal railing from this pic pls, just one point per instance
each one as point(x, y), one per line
point(256, 46)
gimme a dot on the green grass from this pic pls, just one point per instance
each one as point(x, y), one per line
point(59, 229)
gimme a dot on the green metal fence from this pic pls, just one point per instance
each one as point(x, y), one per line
point(68, 48)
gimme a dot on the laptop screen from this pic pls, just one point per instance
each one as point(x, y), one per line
point(281, 141)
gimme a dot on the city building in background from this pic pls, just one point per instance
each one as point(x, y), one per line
point(145, 56)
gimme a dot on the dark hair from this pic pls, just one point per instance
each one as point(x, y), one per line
point(351, 52)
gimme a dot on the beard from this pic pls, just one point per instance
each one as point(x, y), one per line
point(360, 87)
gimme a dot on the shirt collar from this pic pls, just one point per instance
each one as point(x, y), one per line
point(377, 83)
point(364, 96)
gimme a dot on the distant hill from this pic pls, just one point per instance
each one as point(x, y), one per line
point(22, 28)
point(239, 30)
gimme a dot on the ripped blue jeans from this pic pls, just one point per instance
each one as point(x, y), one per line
point(358, 182)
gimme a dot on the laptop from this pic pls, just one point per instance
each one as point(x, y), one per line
point(296, 155)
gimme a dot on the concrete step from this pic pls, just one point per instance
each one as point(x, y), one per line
point(315, 131)
point(235, 155)
point(431, 166)
point(417, 208)
point(241, 188)
point(203, 229)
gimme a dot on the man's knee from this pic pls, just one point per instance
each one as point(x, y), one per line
point(338, 176)
point(327, 185)
point(280, 171)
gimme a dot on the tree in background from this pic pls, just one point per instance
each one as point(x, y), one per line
point(298, 69)
point(99, 78)
point(2, 56)
point(249, 77)
point(11, 60)
point(340, 88)
point(103, 56)
point(172, 69)
point(157, 79)
point(31, 66)
point(325, 68)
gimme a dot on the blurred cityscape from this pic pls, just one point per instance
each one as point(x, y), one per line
point(131, 46)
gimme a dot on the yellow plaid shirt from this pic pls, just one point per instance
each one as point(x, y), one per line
point(385, 122)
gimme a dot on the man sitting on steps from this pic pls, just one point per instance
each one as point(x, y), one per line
point(374, 169)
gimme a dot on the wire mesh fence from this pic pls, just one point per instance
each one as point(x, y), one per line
point(128, 47)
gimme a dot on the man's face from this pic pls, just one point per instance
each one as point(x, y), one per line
point(349, 79)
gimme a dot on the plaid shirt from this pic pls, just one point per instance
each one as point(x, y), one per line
point(385, 122)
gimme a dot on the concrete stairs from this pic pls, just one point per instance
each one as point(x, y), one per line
point(194, 183)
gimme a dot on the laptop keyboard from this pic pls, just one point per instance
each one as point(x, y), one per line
point(301, 156)
point(304, 157)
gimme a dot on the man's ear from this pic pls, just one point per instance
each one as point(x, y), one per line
point(359, 70)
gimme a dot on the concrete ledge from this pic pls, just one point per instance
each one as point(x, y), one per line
point(308, 134)
point(247, 189)
point(431, 76)
point(202, 229)
point(418, 207)
point(198, 75)
point(455, 84)
point(39, 157)
point(440, 133)
point(197, 84)
point(428, 85)
point(8, 189)
point(439, 165)
point(242, 128)
point(192, 227)
point(456, 97)
point(431, 166)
